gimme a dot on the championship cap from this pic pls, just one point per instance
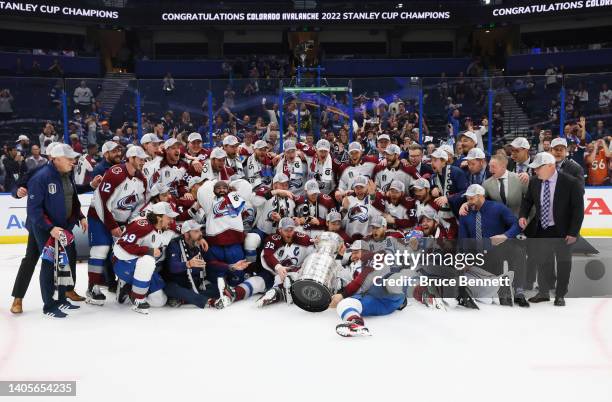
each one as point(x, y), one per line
point(378, 221)
point(50, 147)
point(137, 152)
point(360, 181)
point(163, 208)
point(421, 184)
point(289, 145)
point(22, 138)
point(475, 153)
point(383, 137)
point(447, 148)
point(64, 150)
point(475, 189)
point(312, 187)
point(558, 141)
point(109, 146)
point(543, 158)
point(280, 178)
point(189, 226)
point(439, 154)
point(397, 185)
point(520, 142)
point(334, 216)
point(230, 140)
point(170, 143)
point(358, 245)
point(260, 144)
point(194, 137)
point(193, 181)
point(355, 146)
point(218, 153)
point(393, 149)
point(323, 145)
point(159, 188)
point(471, 135)
point(286, 223)
point(429, 213)
point(150, 137)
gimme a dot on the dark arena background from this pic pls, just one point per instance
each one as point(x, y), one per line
point(255, 177)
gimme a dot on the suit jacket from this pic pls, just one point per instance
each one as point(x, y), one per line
point(512, 167)
point(568, 205)
point(572, 168)
point(515, 191)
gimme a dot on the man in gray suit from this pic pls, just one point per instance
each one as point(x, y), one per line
point(503, 185)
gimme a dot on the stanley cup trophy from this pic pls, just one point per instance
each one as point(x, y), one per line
point(313, 289)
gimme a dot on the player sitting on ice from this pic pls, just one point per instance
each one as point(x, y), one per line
point(368, 294)
point(274, 271)
point(135, 254)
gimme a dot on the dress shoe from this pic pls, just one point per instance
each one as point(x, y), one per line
point(74, 296)
point(521, 301)
point(559, 301)
point(17, 307)
point(539, 298)
point(506, 301)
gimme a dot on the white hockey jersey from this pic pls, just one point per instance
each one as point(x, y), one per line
point(356, 219)
point(266, 206)
point(224, 220)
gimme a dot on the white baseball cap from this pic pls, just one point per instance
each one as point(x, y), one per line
point(280, 178)
point(475, 153)
point(439, 154)
point(193, 181)
point(163, 208)
point(64, 150)
point(474, 189)
point(194, 137)
point(520, 142)
point(360, 181)
point(558, 141)
point(543, 158)
point(312, 187)
point(230, 140)
point(289, 145)
point(421, 184)
point(22, 138)
point(218, 153)
point(323, 145)
point(50, 147)
point(109, 146)
point(383, 137)
point(355, 146)
point(150, 137)
point(393, 149)
point(159, 188)
point(428, 212)
point(286, 223)
point(447, 148)
point(170, 143)
point(137, 152)
point(189, 226)
point(260, 144)
point(397, 185)
point(333, 216)
point(358, 245)
point(471, 135)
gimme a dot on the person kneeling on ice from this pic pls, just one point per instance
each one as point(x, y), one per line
point(275, 270)
point(135, 253)
point(372, 292)
point(184, 269)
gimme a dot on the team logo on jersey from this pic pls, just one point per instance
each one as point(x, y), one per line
point(358, 213)
point(116, 170)
point(142, 222)
point(52, 188)
point(128, 203)
point(224, 208)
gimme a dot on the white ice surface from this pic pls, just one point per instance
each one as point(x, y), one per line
point(544, 353)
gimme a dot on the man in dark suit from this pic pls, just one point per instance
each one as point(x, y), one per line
point(566, 165)
point(415, 158)
point(476, 171)
point(559, 203)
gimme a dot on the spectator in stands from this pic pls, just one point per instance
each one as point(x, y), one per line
point(55, 95)
point(605, 98)
point(56, 69)
point(600, 131)
point(75, 143)
point(105, 134)
point(83, 97)
point(47, 137)
point(23, 145)
point(168, 84)
point(14, 166)
point(597, 161)
point(35, 160)
point(551, 77)
point(6, 104)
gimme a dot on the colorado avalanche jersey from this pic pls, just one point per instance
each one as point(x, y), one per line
point(349, 172)
point(290, 255)
point(384, 175)
point(259, 172)
point(266, 205)
point(357, 216)
point(138, 239)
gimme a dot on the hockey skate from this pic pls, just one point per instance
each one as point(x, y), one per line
point(140, 305)
point(274, 295)
point(123, 291)
point(432, 298)
point(350, 329)
point(95, 296)
point(227, 295)
point(465, 298)
point(287, 289)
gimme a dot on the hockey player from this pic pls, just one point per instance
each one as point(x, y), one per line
point(111, 155)
point(393, 169)
point(195, 149)
point(312, 209)
point(259, 166)
point(334, 224)
point(172, 171)
point(290, 164)
point(83, 172)
point(151, 144)
point(185, 270)
point(281, 259)
point(398, 209)
point(358, 165)
point(215, 168)
point(118, 198)
point(272, 205)
point(321, 166)
point(233, 160)
point(358, 208)
point(135, 253)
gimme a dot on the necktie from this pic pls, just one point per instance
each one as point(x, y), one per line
point(545, 219)
point(502, 190)
point(478, 227)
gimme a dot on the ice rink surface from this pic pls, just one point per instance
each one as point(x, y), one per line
point(544, 353)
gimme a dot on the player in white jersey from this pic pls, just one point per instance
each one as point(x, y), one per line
point(172, 171)
point(293, 166)
point(393, 169)
point(259, 166)
point(358, 209)
point(215, 168)
point(321, 166)
point(272, 205)
point(135, 253)
point(358, 165)
point(117, 199)
point(233, 160)
point(399, 210)
point(150, 143)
